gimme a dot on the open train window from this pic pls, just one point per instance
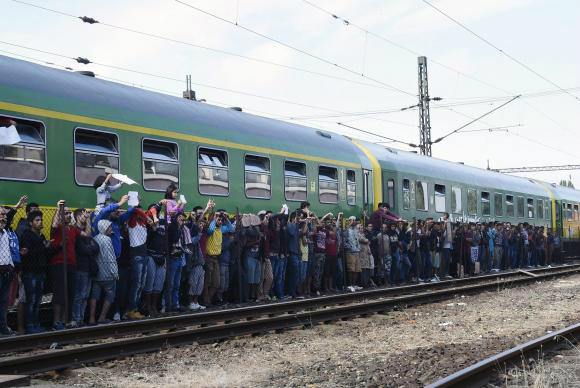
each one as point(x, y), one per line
point(440, 198)
point(406, 194)
point(257, 176)
point(485, 204)
point(472, 202)
point(530, 208)
point(540, 209)
point(456, 206)
point(498, 204)
point(213, 173)
point(509, 206)
point(25, 160)
point(422, 196)
point(328, 184)
point(160, 164)
point(96, 153)
point(521, 207)
point(295, 181)
point(350, 187)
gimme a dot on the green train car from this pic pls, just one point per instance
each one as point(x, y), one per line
point(75, 127)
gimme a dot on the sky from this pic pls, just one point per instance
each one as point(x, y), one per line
point(322, 70)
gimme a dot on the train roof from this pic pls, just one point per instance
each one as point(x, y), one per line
point(412, 163)
point(44, 87)
point(565, 193)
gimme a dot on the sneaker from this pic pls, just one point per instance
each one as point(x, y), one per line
point(437, 277)
point(434, 279)
point(58, 326)
point(194, 306)
point(72, 325)
point(117, 317)
point(6, 332)
point(135, 315)
point(104, 322)
point(286, 297)
point(201, 307)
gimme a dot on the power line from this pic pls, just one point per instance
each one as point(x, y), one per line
point(211, 49)
point(537, 168)
point(377, 135)
point(503, 52)
point(294, 48)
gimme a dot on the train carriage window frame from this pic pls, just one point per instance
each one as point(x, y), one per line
point(440, 197)
point(530, 207)
point(351, 188)
point(425, 189)
point(40, 145)
point(569, 214)
point(520, 201)
point(548, 209)
point(209, 163)
point(498, 200)
point(298, 177)
point(510, 205)
point(166, 160)
point(327, 179)
point(471, 200)
point(406, 190)
point(267, 172)
point(576, 212)
point(91, 132)
point(540, 209)
point(485, 203)
point(456, 200)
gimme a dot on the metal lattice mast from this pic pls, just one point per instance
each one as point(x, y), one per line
point(424, 119)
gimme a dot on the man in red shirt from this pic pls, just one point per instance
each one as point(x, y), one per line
point(62, 286)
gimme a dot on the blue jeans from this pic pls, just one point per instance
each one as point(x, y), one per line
point(427, 267)
point(513, 256)
point(138, 276)
point(172, 282)
point(155, 277)
point(81, 295)
point(33, 287)
point(293, 273)
point(396, 268)
point(278, 269)
point(5, 281)
point(339, 279)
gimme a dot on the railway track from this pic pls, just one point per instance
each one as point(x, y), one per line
point(408, 294)
point(218, 325)
point(479, 374)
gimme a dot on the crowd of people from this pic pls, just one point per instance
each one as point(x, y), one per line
point(113, 264)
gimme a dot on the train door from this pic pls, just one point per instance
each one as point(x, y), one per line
point(559, 217)
point(367, 190)
point(390, 190)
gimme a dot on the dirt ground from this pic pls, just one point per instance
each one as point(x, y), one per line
point(407, 348)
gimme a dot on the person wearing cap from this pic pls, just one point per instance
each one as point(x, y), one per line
point(352, 249)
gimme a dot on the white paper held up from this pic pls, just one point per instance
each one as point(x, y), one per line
point(9, 135)
point(182, 199)
point(133, 198)
point(124, 178)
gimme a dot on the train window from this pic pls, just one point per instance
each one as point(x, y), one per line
point(328, 184)
point(350, 187)
point(498, 204)
point(509, 206)
point(456, 200)
point(530, 208)
point(575, 212)
point(25, 160)
point(548, 208)
point(472, 202)
point(212, 171)
point(485, 204)
point(569, 212)
point(540, 209)
point(391, 193)
point(160, 164)
point(440, 198)
point(257, 175)
point(406, 194)
point(521, 208)
point(96, 153)
point(295, 181)
point(422, 196)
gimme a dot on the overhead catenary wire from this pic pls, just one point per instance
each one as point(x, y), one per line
point(377, 135)
point(503, 52)
point(297, 49)
point(93, 21)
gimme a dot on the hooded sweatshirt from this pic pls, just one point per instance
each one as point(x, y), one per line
point(106, 260)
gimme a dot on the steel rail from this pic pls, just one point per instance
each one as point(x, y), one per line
point(479, 374)
point(78, 335)
point(70, 358)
